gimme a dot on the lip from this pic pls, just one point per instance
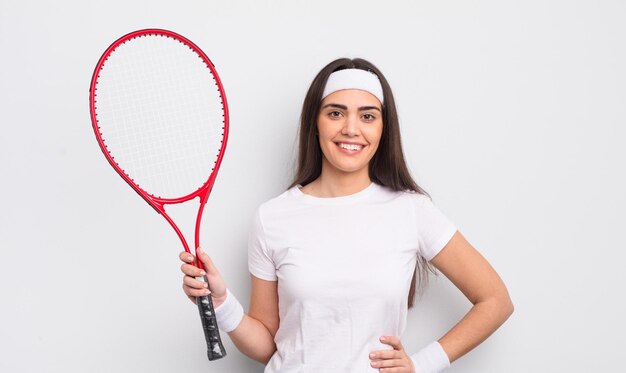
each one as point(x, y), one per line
point(349, 142)
point(348, 151)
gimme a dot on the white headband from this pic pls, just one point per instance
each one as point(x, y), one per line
point(354, 79)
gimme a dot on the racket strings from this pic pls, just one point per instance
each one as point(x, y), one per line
point(161, 115)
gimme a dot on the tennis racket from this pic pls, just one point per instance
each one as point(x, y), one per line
point(160, 116)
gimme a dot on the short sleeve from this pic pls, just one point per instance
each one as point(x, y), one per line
point(260, 263)
point(435, 229)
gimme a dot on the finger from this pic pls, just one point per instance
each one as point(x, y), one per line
point(195, 292)
point(385, 354)
point(394, 370)
point(186, 257)
point(191, 270)
point(391, 363)
point(195, 284)
point(392, 341)
point(192, 299)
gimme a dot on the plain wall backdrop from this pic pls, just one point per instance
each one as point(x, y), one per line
point(512, 115)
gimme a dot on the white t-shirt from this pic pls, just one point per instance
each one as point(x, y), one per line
point(344, 267)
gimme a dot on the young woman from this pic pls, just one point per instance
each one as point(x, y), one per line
point(334, 259)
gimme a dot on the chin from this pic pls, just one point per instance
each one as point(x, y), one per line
point(349, 169)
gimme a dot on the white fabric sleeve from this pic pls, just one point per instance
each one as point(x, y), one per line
point(430, 359)
point(434, 228)
point(260, 263)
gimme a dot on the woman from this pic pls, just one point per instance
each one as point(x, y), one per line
point(334, 258)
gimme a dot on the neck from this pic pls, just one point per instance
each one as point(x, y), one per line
point(336, 183)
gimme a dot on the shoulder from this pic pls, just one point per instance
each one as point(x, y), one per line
point(418, 198)
point(422, 204)
point(404, 196)
point(276, 204)
point(413, 204)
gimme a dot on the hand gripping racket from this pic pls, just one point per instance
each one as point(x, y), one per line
point(160, 116)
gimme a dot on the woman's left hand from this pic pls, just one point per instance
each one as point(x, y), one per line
point(393, 361)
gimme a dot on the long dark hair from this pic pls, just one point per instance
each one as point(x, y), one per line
point(387, 167)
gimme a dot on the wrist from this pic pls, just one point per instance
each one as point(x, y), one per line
point(430, 359)
point(229, 313)
point(218, 301)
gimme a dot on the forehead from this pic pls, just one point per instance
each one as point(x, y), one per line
point(352, 98)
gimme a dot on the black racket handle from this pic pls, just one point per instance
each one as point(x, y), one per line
point(215, 348)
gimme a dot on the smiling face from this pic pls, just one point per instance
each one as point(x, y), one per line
point(350, 126)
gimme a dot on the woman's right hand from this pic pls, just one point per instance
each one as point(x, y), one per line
point(195, 288)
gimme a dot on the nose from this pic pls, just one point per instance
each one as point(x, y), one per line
point(350, 126)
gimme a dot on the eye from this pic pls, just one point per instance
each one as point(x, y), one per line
point(334, 114)
point(369, 117)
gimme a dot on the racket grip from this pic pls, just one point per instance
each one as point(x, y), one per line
point(215, 348)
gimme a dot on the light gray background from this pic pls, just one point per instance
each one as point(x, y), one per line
point(512, 115)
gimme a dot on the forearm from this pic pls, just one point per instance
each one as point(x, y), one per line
point(253, 339)
point(478, 324)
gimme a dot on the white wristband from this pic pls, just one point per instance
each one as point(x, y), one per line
point(229, 314)
point(430, 359)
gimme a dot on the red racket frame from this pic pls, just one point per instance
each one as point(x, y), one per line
point(215, 348)
point(156, 202)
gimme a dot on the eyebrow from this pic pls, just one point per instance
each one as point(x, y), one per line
point(344, 107)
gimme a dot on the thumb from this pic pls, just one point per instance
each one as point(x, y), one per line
point(206, 260)
point(214, 278)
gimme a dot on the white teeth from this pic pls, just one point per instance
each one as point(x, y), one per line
point(351, 146)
